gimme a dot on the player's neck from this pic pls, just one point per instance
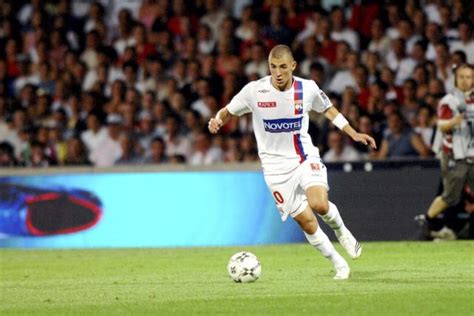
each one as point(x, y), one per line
point(288, 85)
point(466, 93)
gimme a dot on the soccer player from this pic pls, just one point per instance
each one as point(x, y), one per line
point(291, 164)
point(456, 123)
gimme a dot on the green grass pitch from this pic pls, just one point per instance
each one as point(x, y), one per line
point(391, 278)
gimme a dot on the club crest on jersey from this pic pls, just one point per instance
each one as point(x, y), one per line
point(282, 125)
point(299, 107)
point(271, 104)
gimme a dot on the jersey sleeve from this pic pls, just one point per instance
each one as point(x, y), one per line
point(444, 110)
point(321, 101)
point(241, 103)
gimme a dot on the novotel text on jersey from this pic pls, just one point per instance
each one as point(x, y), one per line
point(283, 125)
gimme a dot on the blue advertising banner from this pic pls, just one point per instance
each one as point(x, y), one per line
point(165, 209)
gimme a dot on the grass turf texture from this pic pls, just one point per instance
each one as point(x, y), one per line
point(391, 278)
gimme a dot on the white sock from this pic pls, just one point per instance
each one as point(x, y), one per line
point(320, 241)
point(334, 219)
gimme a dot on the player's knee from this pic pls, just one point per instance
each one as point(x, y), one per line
point(451, 200)
point(309, 226)
point(320, 207)
point(307, 223)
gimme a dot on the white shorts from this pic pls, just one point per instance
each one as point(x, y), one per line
point(289, 189)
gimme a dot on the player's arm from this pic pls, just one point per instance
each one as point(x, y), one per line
point(222, 117)
point(447, 121)
point(341, 122)
point(446, 126)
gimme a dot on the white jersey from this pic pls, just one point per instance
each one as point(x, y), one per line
point(280, 120)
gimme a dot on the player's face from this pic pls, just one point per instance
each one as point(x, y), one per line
point(464, 79)
point(281, 70)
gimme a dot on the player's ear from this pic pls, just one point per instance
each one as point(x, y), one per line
point(293, 65)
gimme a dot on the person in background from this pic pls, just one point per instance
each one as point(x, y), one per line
point(108, 149)
point(157, 152)
point(455, 119)
point(204, 152)
point(339, 149)
point(400, 141)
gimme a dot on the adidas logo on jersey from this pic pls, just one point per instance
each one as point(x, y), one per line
point(282, 125)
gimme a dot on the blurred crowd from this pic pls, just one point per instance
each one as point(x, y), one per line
point(134, 82)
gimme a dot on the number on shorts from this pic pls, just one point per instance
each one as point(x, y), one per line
point(278, 197)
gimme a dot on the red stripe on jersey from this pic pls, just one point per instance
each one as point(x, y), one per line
point(445, 112)
point(299, 147)
point(298, 97)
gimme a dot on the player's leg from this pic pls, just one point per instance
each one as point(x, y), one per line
point(454, 178)
point(317, 196)
point(290, 199)
point(437, 207)
point(319, 240)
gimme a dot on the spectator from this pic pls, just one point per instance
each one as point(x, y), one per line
point(157, 152)
point(410, 104)
point(175, 142)
point(130, 153)
point(380, 43)
point(214, 17)
point(345, 77)
point(244, 31)
point(340, 31)
point(142, 45)
point(94, 17)
point(366, 126)
point(408, 64)
point(203, 90)
point(7, 155)
point(318, 74)
point(108, 149)
point(277, 31)
point(425, 125)
point(311, 50)
point(399, 141)
point(206, 40)
point(37, 157)
point(89, 56)
point(405, 28)
point(76, 154)
point(339, 149)
point(465, 42)
point(86, 58)
point(94, 134)
point(148, 12)
point(204, 153)
point(124, 37)
point(144, 132)
point(258, 63)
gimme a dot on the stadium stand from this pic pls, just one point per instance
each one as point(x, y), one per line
point(111, 82)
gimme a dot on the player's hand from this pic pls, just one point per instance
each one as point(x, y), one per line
point(365, 139)
point(457, 120)
point(214, 125)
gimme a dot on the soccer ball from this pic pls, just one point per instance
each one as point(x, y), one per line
point(244, 267)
